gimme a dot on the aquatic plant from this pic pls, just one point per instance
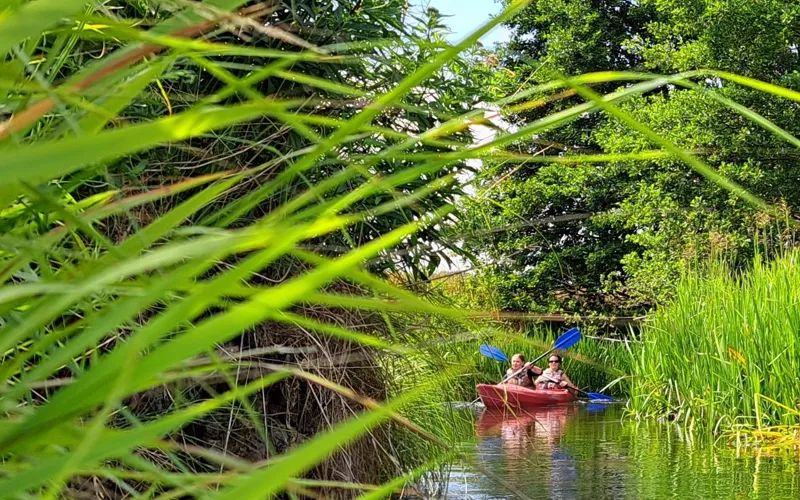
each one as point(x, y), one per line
point(726, 352)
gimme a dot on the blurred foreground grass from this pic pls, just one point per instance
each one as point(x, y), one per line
point(165, 293)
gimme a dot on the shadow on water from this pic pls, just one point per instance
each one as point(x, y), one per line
point(589, 451)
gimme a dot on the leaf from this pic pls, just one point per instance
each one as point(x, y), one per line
point(121, 96)
point(273, 479)
point(737, 356)
point(44, 161)
point(115, 443)
point(32, 18)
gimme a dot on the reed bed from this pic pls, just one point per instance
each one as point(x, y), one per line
point(725, 354)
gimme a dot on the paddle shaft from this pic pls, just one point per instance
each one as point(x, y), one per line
point(557, 382)
point(531, 363)
point(591, 397)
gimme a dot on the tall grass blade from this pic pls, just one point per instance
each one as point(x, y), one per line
point(32, 18)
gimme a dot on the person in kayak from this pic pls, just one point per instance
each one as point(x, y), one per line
point(524, 377)
point(554, 377)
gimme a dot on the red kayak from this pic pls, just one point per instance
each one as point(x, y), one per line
point(514, 396)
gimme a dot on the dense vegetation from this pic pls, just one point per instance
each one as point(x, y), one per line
point(219, 218)
point(614, 237)
point(725, 354)
point(197, 209)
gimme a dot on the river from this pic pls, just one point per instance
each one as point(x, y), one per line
point(580, 451)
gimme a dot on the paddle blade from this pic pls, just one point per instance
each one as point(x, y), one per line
point(567, 339)
point(596, 397)
point(493, 352)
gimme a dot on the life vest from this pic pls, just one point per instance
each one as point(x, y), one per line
point(551, 378)
point(521, 377)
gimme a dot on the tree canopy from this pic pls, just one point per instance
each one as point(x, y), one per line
point(615, 236)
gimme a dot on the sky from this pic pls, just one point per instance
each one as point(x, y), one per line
point(466, 15)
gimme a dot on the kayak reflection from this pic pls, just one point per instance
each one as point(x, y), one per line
point(524, 428)
point(530, 443)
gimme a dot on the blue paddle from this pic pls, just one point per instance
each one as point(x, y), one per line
point(566, 340)
point(493, 352)
point(596, 397)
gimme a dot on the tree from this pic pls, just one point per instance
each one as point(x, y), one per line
point(635, 225)
point(380, 45)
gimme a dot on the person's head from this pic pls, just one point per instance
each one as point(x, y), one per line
point(555, 361)
point(517, 361)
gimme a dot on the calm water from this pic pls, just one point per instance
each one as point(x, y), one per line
point(577, 451)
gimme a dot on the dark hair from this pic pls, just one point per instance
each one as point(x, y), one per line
point(521, 356)
point(556, 355)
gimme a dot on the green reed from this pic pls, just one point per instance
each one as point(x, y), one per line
point(726, 352)
point(119, 277)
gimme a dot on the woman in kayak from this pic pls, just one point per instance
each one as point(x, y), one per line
point(554, 377)
point(524, 377)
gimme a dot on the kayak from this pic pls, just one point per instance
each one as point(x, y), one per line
point(514, 396)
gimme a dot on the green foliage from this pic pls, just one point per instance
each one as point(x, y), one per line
point(615, 236)
point(184, 185)
point(755, 39)
point(167, 172)
point(573, 36)
point(724, 353)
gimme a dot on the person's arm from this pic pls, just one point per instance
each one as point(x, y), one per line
point(566, 382)
point(534, 369)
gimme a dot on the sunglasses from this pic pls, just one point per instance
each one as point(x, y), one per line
point(554, 361)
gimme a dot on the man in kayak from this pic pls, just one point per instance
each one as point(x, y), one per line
point(554, 377)
point(524, 377)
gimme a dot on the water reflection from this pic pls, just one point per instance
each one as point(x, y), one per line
point(522, 428)
point(572, 451)
point(530, 444)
